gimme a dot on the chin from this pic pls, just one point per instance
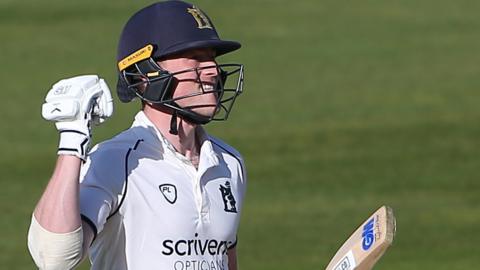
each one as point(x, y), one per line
point(205, 110)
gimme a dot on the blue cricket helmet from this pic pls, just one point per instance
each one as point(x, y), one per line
point(170, 27)
point(162, 30)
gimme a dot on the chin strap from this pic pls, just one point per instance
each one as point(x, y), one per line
point(173, 124)
point(186, 115)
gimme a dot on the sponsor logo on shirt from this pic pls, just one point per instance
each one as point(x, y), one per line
point(189, 249)
point(196, 246)
point(169, 191)
point(230, 205)
point(218, 264)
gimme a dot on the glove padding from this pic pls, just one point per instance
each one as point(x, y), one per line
point(74, 104)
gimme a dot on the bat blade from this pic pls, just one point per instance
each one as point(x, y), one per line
point(367, 244)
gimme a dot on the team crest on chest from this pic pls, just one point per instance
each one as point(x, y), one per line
point(228, 200)
point(200, 17)
point(169, 191)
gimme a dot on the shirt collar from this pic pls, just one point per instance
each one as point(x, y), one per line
point(208, 156)
point(207, 152)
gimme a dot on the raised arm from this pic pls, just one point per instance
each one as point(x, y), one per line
point(58, 208)
point(57, 239)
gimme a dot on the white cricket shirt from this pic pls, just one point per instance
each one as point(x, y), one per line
point(152, 209)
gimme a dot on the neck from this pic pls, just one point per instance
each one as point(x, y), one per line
point(186, 142)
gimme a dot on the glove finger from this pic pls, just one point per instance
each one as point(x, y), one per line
point(89, 97)
point(61, 110)
point(105, 102)
point(62, 90)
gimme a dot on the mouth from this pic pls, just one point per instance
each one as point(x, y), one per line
point(207, 88)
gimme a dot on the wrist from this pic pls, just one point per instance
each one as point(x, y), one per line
point(74, 143)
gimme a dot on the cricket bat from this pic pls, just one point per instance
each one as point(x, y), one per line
point(367, 244)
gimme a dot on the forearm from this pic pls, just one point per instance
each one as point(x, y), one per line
point(232, 259)
point(58, 209)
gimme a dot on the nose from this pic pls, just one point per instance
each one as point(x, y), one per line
point(208, 70)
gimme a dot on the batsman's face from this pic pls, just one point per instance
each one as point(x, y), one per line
point(195, 87)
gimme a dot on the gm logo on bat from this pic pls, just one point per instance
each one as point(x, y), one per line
point(368, 235)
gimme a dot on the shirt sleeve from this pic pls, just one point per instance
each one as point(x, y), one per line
point(102, 180)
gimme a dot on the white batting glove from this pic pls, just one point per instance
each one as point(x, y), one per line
point(74, 104)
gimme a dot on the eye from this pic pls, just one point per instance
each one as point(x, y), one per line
point(203, 55)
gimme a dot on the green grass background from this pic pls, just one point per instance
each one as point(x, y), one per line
point(348, 105)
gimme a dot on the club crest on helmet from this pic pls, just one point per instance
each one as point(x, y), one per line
point(200, 17)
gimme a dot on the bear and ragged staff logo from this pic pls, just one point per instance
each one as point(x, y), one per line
point(202, 19)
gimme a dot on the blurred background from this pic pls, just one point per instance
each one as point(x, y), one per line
point(348, 105)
